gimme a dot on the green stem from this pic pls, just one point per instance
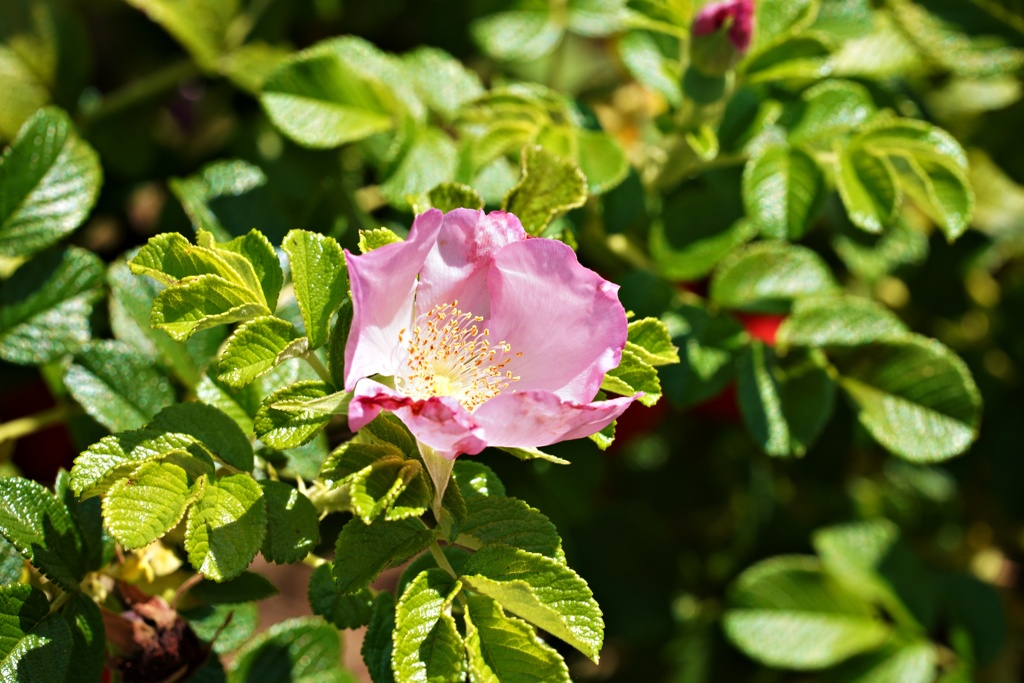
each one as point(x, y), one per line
point(441, 560)
point(23, 426)
point(314, 362)
point(313, 561)
point(138, 92)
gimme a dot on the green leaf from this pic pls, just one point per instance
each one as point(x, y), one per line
point(767, 276)
point(649, 340)
point(830, 109)
point(646, 62)
point(284, 429)
point(118, 455)
point(45, 306)
point(344, 611)
point(377, 643)
point(257, 347)
point(169, 258)
point(687, 250)
point(11, 563)
point(331, 93)
point(337, 342)
point(632, 376)
point(503, 648)
point(200, 26)
point(256, 249)
point(246, 587)
point(708, 345)
point(785, 406)
point(119, 388)
point(42, 529)
point(839, 322)
point(940, 189)
point(250, 65)
point(304, 650)
point(320, 279)
point(375, 239)
point(391, 486)
point(42, 654)
point(363, 551)
point(216, 180)
point(388, 429)
point(448, 196)
point(853, 554)
point(476, 479)
point(202, 302)
point(427, 644)
point(516, 36)
point(293, 524)
point(216, 430)
point(548, 187)
point(601, 159)
point(800, 58)
point(131, 301)
point(540, 590)
point(143, 507)
point(441, 80)
point(867, 186)
point(226, 526)
point(782, 190)
point(88, 637)
point(430, 160)
point(49, 181)
point(494, 520)
point(233, 625)
point(787, 613)
point(912, 662)
point(22, 607)
point(915, 397)
point(532, 454)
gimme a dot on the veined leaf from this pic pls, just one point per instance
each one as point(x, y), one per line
point(320, 279)
point(476, 479)
point(839, 322)
point(34, 646)
point(541, 590)
point(118, 455)
point(649, 340)
point(304, 650)
point(427, 645)
point(787, 613)
point(867, 186)
point(912, 662)
point(42, 529)
point(632, 376)
point(767, 276)
point(293, 525)
point(45, 306)
point(494, 520)
point(255, 348)
point(914, 396)
point(119, 388)
point(363, 551)
point(198, 25)
point(88, 635)
point(333, 93)
point(549, 186)
point(344, 611)
point(226, 526)
point(442, 81)
point(377, 644)
point(782, 190)
point(517, 36)
point(503, 648)
point(49, 180)
point(284, 429)
point(430, 159)
point(212, 427)
point(202, 302)
point(143, 507)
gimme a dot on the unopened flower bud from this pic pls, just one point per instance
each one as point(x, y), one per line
point(721, 33)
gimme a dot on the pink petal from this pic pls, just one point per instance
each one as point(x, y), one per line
point(565, 319)
point(383, 287)
point(456, 268)
point(527, 419)
point(440, 422)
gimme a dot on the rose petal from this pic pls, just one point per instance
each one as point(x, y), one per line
point(565, 319)
point(440, 422)
point(527, 419)
point(383, 287)
point(456, 268)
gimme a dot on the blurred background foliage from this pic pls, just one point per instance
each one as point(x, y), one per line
point(662, 523)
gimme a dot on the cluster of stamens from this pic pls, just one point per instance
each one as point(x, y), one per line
point(449, 354)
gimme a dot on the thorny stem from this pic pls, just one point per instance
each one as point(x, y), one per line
point(23, 426)
point(185, 586)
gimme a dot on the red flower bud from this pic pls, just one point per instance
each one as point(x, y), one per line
point(722, 32)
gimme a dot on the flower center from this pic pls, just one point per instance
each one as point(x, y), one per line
point(449, 354)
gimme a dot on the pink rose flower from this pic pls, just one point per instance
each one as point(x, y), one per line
point(739, 14)
point(489, 338)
